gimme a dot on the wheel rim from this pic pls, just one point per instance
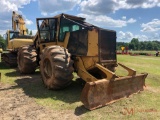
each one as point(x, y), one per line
point(47, 68)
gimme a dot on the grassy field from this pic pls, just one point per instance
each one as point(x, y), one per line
point(144, 105)
point(140, 51)
point(143, 51)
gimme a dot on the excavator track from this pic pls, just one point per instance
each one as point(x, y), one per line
point(10, 59)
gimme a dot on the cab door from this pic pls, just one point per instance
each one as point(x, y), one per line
point(46, 32)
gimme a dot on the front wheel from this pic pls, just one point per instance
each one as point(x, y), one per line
point(56, 67)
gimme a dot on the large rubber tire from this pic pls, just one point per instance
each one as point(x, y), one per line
point(56, 67)
point(26, 59)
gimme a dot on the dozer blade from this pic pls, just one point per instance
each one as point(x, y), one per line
point(102, 92)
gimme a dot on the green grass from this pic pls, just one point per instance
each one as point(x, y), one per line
point(150, 64)
point(144, 105)
point(140, 51)
point(143, 51)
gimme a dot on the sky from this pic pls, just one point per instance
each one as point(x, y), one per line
point(129, 18)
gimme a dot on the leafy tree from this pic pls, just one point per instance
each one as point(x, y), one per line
point(2, 42)
point(131, 46)
point(142, 45)
point(149, 46)
point(154, 46)
point(135, 43)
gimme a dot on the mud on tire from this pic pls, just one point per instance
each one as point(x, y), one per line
point(26, 59)
point(56, 67)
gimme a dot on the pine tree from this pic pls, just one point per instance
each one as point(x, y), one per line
point(30, 32)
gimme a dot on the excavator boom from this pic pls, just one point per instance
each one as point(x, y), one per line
point(18, 23)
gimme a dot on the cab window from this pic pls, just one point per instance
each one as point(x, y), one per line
point(13, 35)
point(47, 30)
point(67, 26)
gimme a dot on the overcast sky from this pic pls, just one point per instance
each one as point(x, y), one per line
point(130, 18)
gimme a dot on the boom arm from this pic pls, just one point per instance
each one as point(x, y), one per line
point(18, 23)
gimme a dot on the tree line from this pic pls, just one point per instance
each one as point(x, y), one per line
point(2, 43)
point(135, 44)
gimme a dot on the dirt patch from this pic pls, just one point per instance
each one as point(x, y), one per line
point(154, 90)
point(16, 105)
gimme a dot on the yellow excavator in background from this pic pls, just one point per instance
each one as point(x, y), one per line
point(16, 38)
point(66, 43)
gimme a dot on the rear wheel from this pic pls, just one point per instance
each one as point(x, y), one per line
point(56, 67)
point(26, 59)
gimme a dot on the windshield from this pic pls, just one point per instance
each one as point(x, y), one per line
point(67, 26)
point(13, 35)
